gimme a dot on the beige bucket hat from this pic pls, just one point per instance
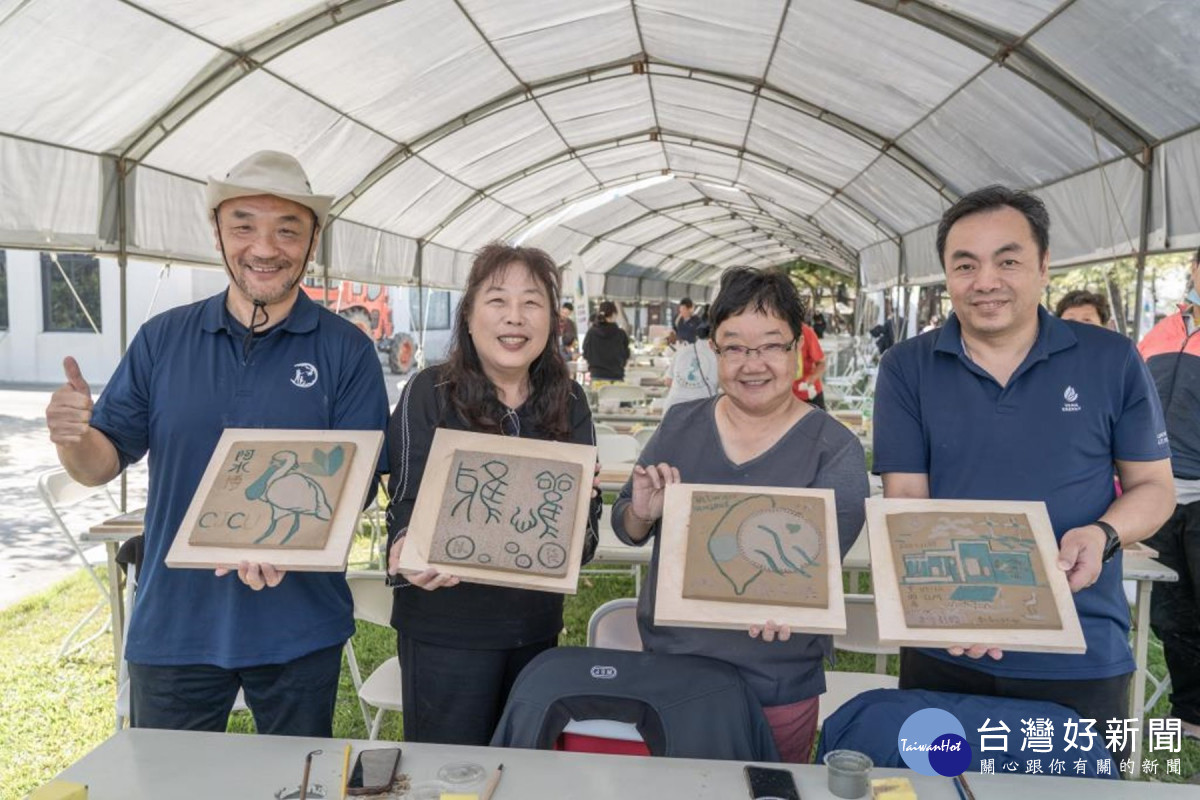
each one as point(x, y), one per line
point(268, 172)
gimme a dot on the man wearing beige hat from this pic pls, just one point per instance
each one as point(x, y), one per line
point(258, 355)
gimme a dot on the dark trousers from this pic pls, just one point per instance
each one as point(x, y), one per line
point(1100, 699)
point(292, 699)
point(456, 696)
point(1175, 608)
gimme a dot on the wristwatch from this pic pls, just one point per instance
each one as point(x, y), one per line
point(1112, 541)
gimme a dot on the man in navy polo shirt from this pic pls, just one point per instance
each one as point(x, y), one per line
point(1006, 402)
point(259, 355)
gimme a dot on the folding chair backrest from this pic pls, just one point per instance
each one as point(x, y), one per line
point(618, 448)
point(614, 625)
point(60, 490)
point(372, 597)
point(643, 435)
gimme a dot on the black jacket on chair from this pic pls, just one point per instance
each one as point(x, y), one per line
point(683, 706)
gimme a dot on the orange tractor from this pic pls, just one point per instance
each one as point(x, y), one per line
point(369, 307)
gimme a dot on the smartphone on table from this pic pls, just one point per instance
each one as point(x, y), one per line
point(771, 784)
point(373, 771)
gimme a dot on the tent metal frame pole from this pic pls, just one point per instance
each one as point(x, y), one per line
point(419, 269)
point(1143, 239)
point(123, 168)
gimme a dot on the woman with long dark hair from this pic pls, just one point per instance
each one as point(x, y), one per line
point(461, 645)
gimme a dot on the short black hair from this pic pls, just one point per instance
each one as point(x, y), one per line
point(1082, 297)
point(746, 288)
point(568, 305)
point(991, 198)
point(687, 301)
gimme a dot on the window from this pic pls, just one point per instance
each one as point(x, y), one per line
point(61, 311)
point(3, 290)
point(438, 310)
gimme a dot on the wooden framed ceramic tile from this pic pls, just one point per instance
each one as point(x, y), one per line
point(736, 556)
point(964, 572)
point(502, 510)
point(290, 498)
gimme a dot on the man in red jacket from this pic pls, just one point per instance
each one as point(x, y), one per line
point(1172, 351)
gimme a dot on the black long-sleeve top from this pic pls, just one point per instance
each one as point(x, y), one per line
point(469, 616)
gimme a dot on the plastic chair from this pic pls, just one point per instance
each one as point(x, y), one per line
point(59, 490)
point(604, 428)
point(643, 435)
point(614, 626)
point(862, 631)
point(382, 690)
point(618, 448)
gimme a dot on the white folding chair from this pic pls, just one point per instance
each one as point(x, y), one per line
point(862, 631)
point(616, 448)
point(382, 690)
point(602, 427)
point(613, 625)
point(643, 435)
point(862, 636)
point(58, 491)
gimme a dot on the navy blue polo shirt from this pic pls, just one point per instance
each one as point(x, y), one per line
point(183, 381)
point(1081, 399)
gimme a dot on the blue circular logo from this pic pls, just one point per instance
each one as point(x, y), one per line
point(933, 742)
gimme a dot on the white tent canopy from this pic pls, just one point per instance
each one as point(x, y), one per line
point(833, 130)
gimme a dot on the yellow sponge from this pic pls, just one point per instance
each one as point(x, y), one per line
point(59, 790)
point(893, 789)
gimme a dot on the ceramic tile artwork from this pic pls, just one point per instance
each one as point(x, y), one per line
point(504, 512)
point(274, 495)
point(757, 548)
point(970, 570)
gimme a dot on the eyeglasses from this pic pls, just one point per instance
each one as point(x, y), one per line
point(738, 353)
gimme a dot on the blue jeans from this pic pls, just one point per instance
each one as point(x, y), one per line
point(292, 699)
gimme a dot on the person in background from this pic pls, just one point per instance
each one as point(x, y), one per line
point(461, 645)
point(687, 322)
point(259, 355)
point(810, 366)
point(1172, 351)
point(1005, 401)
point(567, 330)
point(757, 433)
point(819, 324)
point(693, 373)
point(606, 347)
point(1084, 306)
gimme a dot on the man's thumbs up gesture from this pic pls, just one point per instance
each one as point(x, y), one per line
point(70, 407)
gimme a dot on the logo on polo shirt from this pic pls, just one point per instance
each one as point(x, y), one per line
point(1070, 396)
point(305, 376)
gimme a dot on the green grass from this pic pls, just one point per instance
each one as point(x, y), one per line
point(53, 712)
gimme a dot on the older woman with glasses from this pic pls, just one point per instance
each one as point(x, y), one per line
point(758, 433)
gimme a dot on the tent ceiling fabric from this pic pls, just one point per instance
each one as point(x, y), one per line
point(831, 130)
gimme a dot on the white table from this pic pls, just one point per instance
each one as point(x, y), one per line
point(152, 765)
